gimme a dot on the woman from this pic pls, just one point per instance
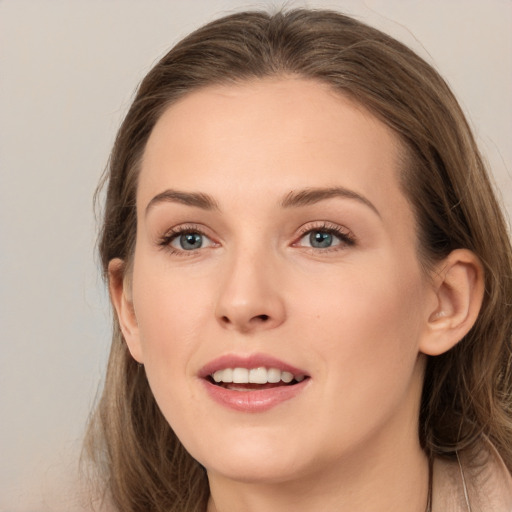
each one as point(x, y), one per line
point(310, 274)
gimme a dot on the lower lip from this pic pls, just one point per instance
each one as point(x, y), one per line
point(255, 400)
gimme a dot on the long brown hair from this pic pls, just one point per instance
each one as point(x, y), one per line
point(467, 391)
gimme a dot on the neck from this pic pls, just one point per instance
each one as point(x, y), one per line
point(397, 482)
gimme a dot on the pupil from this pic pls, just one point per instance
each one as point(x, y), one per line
point(320, 239)
point(191, 241)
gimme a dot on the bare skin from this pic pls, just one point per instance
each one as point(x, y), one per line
point(271, 221)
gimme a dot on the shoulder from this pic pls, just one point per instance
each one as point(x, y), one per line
point(479, 477)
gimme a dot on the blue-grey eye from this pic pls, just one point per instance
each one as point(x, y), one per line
point(321, 239)
point(188, 241)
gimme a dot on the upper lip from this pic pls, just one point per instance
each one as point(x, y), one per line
point(249, 362)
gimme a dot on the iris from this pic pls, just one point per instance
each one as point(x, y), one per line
point(320, 239)
point(191, 241)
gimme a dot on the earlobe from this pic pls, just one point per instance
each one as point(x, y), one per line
point(459, 289)
point(120, 295)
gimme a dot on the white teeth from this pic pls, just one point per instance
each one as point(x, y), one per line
point(223, 375)
point(227, 376)
point(274, 375)
point(286, 377)
point(259, 375)
point(240, 375)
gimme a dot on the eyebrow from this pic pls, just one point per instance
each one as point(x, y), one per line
point(315, 195)
point(196, 199)
point(293, 199)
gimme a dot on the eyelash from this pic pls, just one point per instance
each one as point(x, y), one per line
point(345, 237)
point(165, 241)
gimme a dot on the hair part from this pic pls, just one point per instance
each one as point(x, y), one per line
point(467, 391)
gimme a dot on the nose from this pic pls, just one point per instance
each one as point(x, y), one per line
point(251, 296)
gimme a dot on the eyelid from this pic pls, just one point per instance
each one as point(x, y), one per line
point(178, 236)
point(173, 233)
point(345, 235)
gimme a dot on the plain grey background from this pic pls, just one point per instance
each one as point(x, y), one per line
point(67, 72)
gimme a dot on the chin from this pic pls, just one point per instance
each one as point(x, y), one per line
point(254, 459)
point(256, 471)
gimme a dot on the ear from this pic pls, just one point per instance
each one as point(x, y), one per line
point(458, 290)
point(120, 295)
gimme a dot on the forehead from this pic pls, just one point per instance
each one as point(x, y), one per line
point(305, 110)
point(281, 132)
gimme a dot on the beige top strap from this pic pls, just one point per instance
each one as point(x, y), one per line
point(481, 483)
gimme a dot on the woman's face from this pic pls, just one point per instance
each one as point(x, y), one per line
point(273, 236)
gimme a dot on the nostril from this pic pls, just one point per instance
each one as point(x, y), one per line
point(258, 318)
point(246, 322)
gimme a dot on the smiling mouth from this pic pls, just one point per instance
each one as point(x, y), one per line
point(254, 379)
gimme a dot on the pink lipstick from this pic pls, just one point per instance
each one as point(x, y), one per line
point(254, 383)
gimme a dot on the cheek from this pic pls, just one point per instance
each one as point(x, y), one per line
point(171, 314)
point(364, 305)
point(365, 329)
